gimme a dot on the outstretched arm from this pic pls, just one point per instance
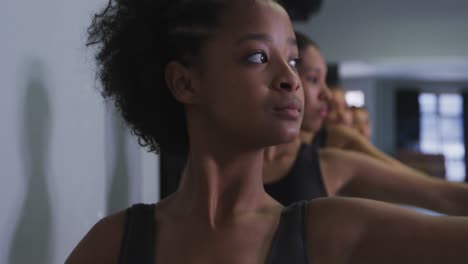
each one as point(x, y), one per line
point(350, 173)
point(364, 231)
point(342, 137)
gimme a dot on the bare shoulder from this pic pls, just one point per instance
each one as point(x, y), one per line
point(331, 157)
point(352, 230)
point(357, 216)
point(345, 157)
point(337, 167)
point(332, 153)
point(331, 231)
point(102, 243)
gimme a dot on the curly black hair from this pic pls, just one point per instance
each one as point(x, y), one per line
point(135, 40)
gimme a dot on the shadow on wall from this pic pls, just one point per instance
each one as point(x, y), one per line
point(32, 239)
point(118, 195)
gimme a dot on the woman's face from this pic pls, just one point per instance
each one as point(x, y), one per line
point(339, 112)
point(361, 122)
point(248, 79)
point(313, 71)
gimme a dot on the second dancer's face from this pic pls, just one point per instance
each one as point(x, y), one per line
point(313, 71)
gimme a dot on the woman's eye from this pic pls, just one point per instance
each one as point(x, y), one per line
point(294, 63)
point(313, 80)
point(258, 57)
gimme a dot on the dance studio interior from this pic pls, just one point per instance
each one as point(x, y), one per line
point(68, 159)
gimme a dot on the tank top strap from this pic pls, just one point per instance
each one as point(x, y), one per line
point(289, 244)
point(314, 152)
point(303, 181)
point(320, 138)
point(138, 239)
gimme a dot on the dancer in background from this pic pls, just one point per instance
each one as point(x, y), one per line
point(361, 121)
point(302, 171)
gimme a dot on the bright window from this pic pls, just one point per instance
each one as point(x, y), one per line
point(355, 98)
point(442, 131)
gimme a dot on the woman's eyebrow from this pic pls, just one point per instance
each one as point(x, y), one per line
point(262, 37)
point(255, 36)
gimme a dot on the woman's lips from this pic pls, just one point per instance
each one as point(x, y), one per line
point(323, 112)
point(288, 113)
point(291, 110)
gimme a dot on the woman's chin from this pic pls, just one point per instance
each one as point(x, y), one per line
point(279, 135)
point(311, 127)
point(289, 135)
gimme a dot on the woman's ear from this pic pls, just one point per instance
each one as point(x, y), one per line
point(179, 81)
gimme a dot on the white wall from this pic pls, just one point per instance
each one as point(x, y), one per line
point(57, 162)
point(376, 29)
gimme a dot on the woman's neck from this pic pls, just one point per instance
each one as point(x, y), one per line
point(277, 160)
point(220, 184)
point(307, 136)
point(275, 153)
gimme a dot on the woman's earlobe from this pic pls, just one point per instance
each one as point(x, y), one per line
point(178, 80)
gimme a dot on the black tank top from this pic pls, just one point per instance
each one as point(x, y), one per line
point(303, 181)
point(320, 138)
point(289, 244)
